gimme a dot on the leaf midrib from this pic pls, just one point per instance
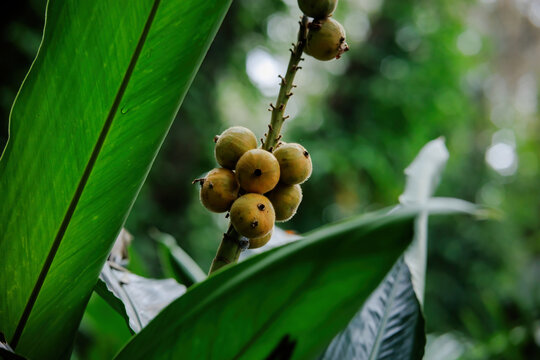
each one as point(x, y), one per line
point(275, 315)
point(384, 320)
point(85, 176)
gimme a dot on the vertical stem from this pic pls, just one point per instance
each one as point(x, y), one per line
point(229, 250)
point(285, 93)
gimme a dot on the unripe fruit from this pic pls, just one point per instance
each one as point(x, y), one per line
point(260, 241)
point(326, 40)
point(318, 9)
point(252, 215)
point(219, 189)
point(257, 171)
point(294, 163)
point(285, 199)
point(232, 144)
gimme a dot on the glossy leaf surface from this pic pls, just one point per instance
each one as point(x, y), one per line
point(389, 326)
point(84, 129)
point(271, 303)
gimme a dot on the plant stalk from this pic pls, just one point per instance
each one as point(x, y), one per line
point(230, 248)
point(285, 92)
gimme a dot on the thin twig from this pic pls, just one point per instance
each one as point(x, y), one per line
point(286, 87)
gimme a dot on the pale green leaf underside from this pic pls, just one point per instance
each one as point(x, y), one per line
point(137, 299)
point(85, 128)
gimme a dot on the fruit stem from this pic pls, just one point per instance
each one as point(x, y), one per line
point(285, 89)
point(229, 250)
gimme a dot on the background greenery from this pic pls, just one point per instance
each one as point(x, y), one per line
point(417, 70)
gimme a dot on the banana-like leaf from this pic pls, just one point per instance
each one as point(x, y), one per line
point(423, 177)
point(390, 325)
point(288, 301)
point(84, 129)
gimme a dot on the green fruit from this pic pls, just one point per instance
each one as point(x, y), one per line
point(219, 189)
point(294, 163)
point(232, 144)
point(326, 40)
point(285, 199)
point(318, 9)
point(252, 215)
point(257, 171)
point(260, 241)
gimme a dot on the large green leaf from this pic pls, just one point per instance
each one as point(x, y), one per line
point(85, 128)
point(289, 300)
point(389, 326)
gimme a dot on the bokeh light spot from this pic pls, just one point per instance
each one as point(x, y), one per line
point(263, 71)
point(469, 43)
point(502, 158)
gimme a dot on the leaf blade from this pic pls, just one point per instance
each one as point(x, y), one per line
point(302, 273)
point(62, 108)
point(368, 331)
point(390, 324)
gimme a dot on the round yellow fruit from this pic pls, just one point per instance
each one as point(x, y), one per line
point(252, 215)
point(326, 40)
point(232, 144)
point(294, 163)
point(285, 199)
point(219, 189)
point(318, 9)
point(257, 171)
point(260, 241)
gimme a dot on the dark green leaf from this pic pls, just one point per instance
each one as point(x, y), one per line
point(85, 128)
point(180, 264)
point(304, 292)
point(114, 302)
point(102, 332)
point(390, 324)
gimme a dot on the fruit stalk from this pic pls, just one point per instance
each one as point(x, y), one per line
point(285, 91)
point(229, 250)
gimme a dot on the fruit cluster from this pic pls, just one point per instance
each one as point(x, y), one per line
point(257, 186)
point(326, 36)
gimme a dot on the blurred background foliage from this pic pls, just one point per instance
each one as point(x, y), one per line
point(417, 70)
